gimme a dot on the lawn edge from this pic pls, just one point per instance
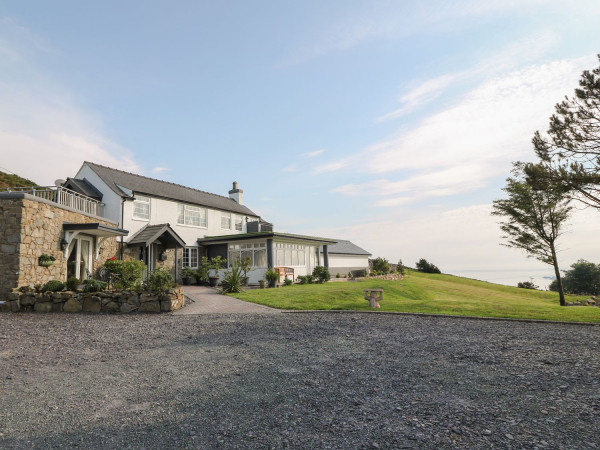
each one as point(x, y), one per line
point(452, 316)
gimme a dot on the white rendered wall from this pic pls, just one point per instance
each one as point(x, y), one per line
point(165, 211)
point(348, 261)
point(112, 201)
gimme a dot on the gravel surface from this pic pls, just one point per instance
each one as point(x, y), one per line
point(296, 380)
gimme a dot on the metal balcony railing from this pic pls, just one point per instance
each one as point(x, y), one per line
point(63, 196)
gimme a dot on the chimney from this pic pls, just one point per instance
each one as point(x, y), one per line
point(236, 194)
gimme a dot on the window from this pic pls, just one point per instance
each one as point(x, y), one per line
point(141, 208)
point(191, 215)
point(290, 255)
point(225, 221)
point(190, 257)
point(256, 252)
point(239, 220)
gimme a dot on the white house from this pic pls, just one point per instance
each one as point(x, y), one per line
point(173, 225)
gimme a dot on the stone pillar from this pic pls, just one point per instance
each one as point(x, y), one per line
point(325, 257)
point(270, 263)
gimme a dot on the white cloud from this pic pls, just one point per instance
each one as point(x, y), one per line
point(398, 20)
point(312, 154)
point(44, 135)
point(505, 60)
point(423, 93)
point(330, 167)
point(459, 149)
point(160, 169)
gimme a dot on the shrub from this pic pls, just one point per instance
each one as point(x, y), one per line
point(527, 285)
point(203, 271)
point(91, 285)
point(232, 281)
point(160, 280)
point(337, 275)
point(126, 274)
point(305, 279)
point(582, 278)
point(321, 274)
point(381, 265)
point(53, 286)
point(72, 284)
point(216, 264)
point(426, 267)
point(373, 273)
point(271, 275)
point(188, 272)
point(287, 282)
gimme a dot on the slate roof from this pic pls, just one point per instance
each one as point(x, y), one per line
point(151, 233)
point(83, 187)
point(158, 188)
point(346, 248)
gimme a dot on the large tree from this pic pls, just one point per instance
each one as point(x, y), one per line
point(570, 153)
point(534, 218)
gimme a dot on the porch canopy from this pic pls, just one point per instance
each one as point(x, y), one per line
point(161, 234)
point(219, 243)
point(99, 230)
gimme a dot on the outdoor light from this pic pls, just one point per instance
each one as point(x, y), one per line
point(63, 244)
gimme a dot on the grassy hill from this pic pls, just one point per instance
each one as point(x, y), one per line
point(11, 180)
point(426, 293)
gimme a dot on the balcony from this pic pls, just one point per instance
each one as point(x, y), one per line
point(63, 196)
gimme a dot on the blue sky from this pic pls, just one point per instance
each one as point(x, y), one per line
point(390, 123)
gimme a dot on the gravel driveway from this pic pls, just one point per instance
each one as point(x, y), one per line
point(296, 380)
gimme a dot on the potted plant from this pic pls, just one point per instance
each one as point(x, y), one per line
point(46, 260)
point(272, 276)
point(261, 283)
point(216, 264)
point(188, 276)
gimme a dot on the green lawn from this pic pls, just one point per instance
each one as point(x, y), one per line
point(425, 293)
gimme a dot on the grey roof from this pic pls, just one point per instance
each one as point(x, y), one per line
point(153, 187)
point(346, 248)
point(151, 233)
point(83, 187)
point(263, 234)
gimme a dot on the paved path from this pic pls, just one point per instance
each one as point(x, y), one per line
point(205, 300)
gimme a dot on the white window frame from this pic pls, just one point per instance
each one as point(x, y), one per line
point(188, 218)
point(253, 248)
point(141, 200)
point(186, 257)
point(227, 217)
point(238, 220)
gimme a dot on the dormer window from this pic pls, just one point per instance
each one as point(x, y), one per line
point(141, 208)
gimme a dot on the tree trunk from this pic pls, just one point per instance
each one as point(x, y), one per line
point(561, 292)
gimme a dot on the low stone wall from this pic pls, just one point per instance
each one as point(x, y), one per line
point(105, 302)
point(389, 277)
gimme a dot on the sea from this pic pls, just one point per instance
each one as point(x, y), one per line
point(540, 277)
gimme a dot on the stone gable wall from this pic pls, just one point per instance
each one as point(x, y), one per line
point(29, 228)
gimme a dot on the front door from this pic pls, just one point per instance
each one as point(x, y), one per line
point(79, 261)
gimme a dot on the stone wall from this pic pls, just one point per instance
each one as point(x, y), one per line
point(106, 302)
point(11, 211)
point(29, 227)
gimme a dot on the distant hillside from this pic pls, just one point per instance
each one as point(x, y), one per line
point(10, 180)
